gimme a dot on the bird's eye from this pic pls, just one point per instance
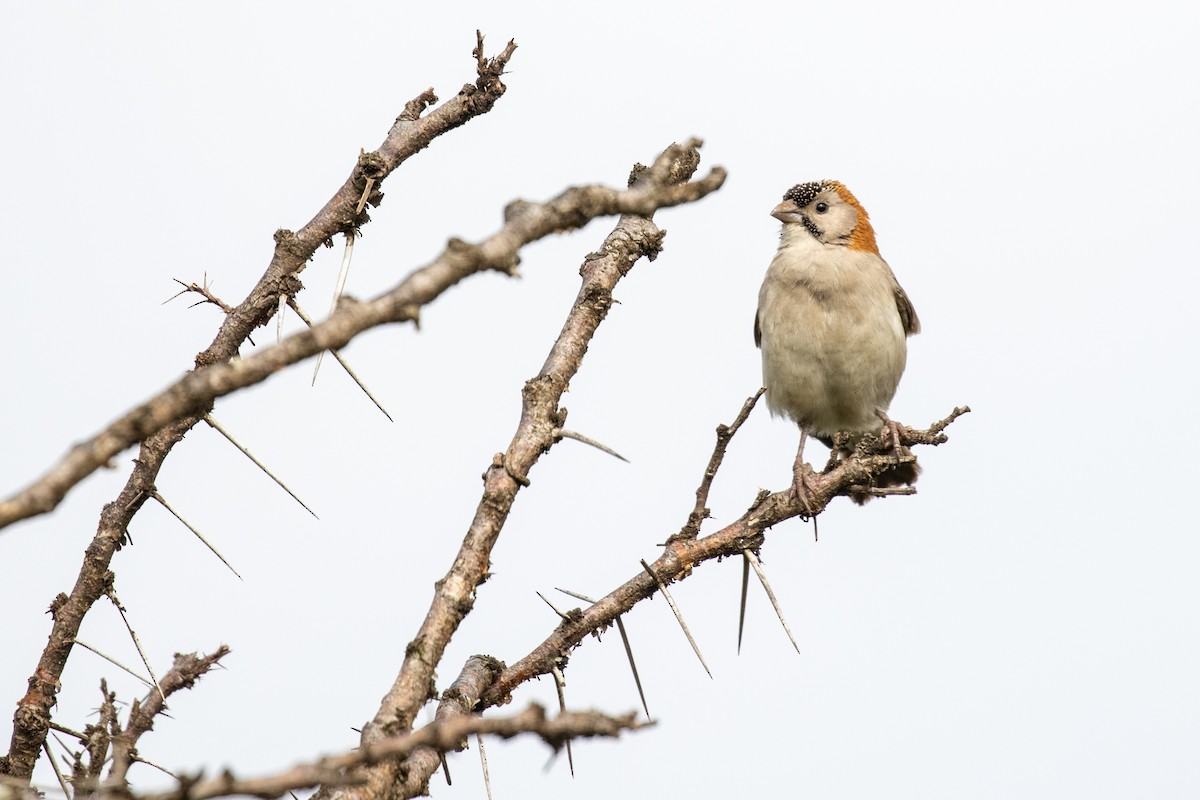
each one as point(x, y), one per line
point(822, 207)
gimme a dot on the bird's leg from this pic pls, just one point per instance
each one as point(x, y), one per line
point(801, 481)
point(893, 428)
point(840, 446)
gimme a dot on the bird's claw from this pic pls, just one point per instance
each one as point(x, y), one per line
point(802, 487)
point(892, 429)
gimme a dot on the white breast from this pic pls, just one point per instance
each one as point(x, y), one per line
point(833, 346)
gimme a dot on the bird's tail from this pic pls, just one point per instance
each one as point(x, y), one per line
point(902, 474)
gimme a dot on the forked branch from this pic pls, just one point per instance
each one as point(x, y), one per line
point(634, 236)
point(682, 554)
point(161, 423)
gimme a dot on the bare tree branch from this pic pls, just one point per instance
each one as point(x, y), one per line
point(541, 418)
point(393, 761)
point(100, 737)
point(682, 554)
point(691, 528)
point(187, 669)
point(191, 397)
point(442, 735)
point(478, 673)
point(160, 428)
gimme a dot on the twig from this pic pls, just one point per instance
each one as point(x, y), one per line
point(221, 430)
point(100, 740)
point(54, 726)
point(691, 529)
point(185, 671)
point(942, 424)
point(203, 291)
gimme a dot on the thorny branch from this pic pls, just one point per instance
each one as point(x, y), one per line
point(160, 425)
point(190, 398)
point(442, 735)
point(203, 291)
point(392, 762)
point(107, 742)
point(682, 554)
point(691, 528)
point(634, 236)
point(187, 669)
point(213, 377)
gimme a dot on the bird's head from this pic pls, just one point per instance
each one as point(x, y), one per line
point(830, 214)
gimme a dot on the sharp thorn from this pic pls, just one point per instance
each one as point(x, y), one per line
point(565, 618)
point(197, 533)
point(633, 665)
point(112, 595)
point(219, 429)
point(662, 587)
point(337, 355)
point(114, 662)
point(753, 561)
point(283, 298)
point(742, 609)
point(487, 779)
point(559, 683)
point(562, 433)
point(347, 254)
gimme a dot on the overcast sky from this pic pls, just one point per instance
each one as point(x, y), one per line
point(1026, 626)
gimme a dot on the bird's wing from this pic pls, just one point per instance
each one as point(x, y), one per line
point(908, 314)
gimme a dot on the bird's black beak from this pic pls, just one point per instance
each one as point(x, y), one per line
point(788, 211)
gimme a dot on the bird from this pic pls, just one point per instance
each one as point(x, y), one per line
point(832, 324)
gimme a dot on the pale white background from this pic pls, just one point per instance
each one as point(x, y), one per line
point(1025, 627)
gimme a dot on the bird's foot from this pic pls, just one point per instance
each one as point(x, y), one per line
point(803, 486)
point(892, 431)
